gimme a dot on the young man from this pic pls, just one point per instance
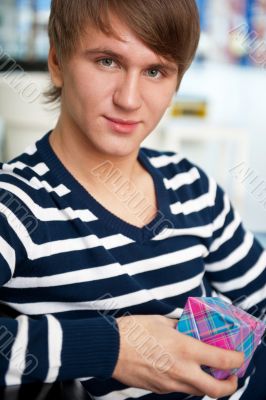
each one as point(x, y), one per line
point(119, 236)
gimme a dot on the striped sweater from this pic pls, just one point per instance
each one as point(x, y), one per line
point(69, 267)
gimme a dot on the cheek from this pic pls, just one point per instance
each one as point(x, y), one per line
point(83, 96)
point(161, 92)
point(158, 101)
point(78, 80)
point(156, 105)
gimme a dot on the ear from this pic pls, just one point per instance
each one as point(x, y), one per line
point(55, 68)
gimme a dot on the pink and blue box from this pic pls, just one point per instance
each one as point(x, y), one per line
point(218, 323)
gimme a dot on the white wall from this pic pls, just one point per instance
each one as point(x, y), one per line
point(22, 108)
point(237, 98)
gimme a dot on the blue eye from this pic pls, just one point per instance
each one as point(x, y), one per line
point(106, 62)
point(154, 73)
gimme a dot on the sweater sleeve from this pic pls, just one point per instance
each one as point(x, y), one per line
point(47, 349)
point(236, 262)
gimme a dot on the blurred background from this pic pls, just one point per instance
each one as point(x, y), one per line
point(218, 118)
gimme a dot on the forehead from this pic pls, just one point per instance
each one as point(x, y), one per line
point(126, 44)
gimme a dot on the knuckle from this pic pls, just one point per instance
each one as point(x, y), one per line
point(218, 391)
point(172, 386)
point(226, 362)
point(175, 387)
point(234, 387)
point(178, 373)
point(185, 352)
point(162, 387)
point(160, 390)
point(242, 359)
point(215, 392)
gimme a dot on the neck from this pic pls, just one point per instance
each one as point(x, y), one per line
point(86, 163)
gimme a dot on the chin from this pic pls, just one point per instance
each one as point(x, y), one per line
point(119, 150)
point(119, 153)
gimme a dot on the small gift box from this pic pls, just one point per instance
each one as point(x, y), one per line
point(221, 324)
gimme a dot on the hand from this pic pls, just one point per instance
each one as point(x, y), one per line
point(155, 356)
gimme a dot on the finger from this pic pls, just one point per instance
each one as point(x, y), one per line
point(172, 322)
point(214, 387)
point(188, 389)
point(216, 357)
point(175, 386)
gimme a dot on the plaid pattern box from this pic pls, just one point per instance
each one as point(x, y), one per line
point(218, 323)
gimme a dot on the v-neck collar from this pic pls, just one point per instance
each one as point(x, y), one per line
point(138, 234)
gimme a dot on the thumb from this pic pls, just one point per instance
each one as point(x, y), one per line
point(172, 322)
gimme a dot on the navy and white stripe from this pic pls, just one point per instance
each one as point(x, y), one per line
point(81, 266)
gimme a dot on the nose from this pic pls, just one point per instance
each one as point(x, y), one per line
point(127, 94)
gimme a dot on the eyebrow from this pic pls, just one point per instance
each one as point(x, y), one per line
point(118, 56)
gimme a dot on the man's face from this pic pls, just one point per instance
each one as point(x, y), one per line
point(108, 80)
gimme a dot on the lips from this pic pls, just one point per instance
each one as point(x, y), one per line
point(121, 125)
point(122, 121)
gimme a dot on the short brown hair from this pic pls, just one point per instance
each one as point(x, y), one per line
point(168, 27)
